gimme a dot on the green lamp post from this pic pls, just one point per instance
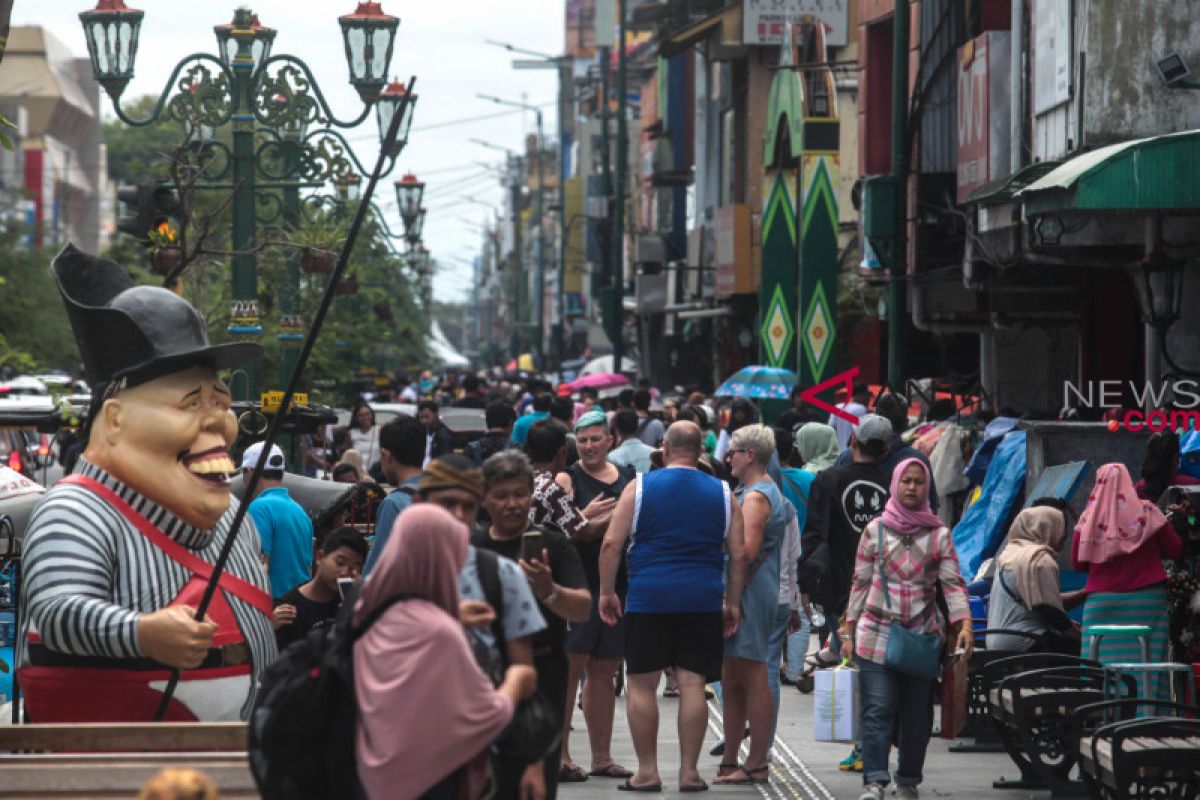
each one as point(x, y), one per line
point(249, 88)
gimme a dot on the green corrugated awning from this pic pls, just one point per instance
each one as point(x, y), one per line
point(1004, 190)
point(1161, 173)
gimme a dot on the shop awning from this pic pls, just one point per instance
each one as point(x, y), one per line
point(1004, 190)
point(1161, 173)
point(728, 22)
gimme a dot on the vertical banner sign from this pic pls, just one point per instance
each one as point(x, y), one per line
point(777, 290)
point(818, 263)
point(777, 294)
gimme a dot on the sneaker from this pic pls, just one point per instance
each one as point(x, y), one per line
point(906, 793)
point(852, 762)
point(872, 791)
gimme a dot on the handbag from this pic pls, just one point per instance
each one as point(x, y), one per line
point(535, 732)
point(915, 654)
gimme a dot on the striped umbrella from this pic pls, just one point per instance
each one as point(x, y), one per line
point(759, 382)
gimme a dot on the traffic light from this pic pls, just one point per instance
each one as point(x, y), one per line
point(150, 204)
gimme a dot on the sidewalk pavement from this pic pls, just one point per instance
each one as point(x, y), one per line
point(801, 768)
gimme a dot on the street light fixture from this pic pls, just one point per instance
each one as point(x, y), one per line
point(409, 191)
point(390, 99)
point(111, 30)
point(227, 43)
point(369, 34)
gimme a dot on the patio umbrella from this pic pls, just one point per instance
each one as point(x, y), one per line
point(759, 382)
point(598, 380)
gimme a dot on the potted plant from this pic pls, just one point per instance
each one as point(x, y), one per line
point(318, 240)
point(348, 285)
point(167, 254)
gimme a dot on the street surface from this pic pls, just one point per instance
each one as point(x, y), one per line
point(801, 768)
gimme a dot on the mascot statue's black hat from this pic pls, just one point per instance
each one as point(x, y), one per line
point(131, 332)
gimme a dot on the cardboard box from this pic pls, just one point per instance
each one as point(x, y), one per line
point(836, 713)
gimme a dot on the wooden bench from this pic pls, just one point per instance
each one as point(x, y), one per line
point(89, 760)
point(1004, 720)
point(1122, 755)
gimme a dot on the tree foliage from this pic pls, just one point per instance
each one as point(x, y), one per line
point(34, 332)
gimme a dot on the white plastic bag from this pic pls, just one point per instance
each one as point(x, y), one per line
point(836, 715)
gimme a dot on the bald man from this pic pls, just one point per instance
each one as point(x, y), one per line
point(677, 610)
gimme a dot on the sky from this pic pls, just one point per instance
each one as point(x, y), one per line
point(442, 43)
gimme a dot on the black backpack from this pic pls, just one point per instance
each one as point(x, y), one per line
point(302, 729)
point(487, 565)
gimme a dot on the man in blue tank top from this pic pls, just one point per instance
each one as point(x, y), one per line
point(679, 524)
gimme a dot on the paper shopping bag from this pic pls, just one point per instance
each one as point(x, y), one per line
point(954, 697)
point(835, 705)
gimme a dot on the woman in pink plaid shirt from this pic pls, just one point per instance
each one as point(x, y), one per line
point(917, 553)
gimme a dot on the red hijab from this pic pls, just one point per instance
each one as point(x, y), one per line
point(1116, 521)
point(425, 707)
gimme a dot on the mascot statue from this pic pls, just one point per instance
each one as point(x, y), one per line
point(117, 555)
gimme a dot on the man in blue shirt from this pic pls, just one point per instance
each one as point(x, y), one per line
point(284, 528)
point(401, 454)
point(541, 410)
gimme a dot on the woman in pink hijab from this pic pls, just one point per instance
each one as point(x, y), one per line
point(427, 713)
point(1120, 542)
point(917, 553)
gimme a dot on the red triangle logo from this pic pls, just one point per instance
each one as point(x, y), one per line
point(846, 379)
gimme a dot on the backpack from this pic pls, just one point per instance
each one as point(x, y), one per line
point(302, 727)
point(487, 565)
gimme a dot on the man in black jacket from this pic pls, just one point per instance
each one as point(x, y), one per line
point(438, 437)
point(842, 500)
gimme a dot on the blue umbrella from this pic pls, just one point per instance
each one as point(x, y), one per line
point(759, 382)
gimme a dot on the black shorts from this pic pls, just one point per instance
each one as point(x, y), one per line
point(595, 638)
point(694, 642)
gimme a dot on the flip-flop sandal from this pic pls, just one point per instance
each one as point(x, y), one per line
point(749, 780)
point(814, 662)
point(571, 773)
point(670, 693)
point(613, 770)
point(696, 787)
point(764, 770)
point(629, 787)
point(727, 769)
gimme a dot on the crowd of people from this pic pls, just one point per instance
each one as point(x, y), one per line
point(578, 548)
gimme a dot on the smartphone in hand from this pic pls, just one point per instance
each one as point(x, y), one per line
point(344, 586)
point(531, 545)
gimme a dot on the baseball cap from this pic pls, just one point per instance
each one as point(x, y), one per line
point(872, 428)
point(275, 459)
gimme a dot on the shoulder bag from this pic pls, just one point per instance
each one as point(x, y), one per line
point(915, 654)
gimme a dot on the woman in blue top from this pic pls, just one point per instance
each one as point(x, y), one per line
point(747, 693)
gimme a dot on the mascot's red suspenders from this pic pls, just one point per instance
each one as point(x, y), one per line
point(60, 687)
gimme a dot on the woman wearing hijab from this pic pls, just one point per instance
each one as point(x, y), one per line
point(1120, 543)
point(917, 553)
point(415, 663)
point(1025, 594)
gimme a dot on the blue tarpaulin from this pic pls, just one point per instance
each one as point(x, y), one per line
point(1189, 453)
point(978, 535)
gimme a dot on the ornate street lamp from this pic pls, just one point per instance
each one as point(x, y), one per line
point(409, 191)
point(260, 47)
point(369, 34)
point(111, 30)
point(391, 100)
